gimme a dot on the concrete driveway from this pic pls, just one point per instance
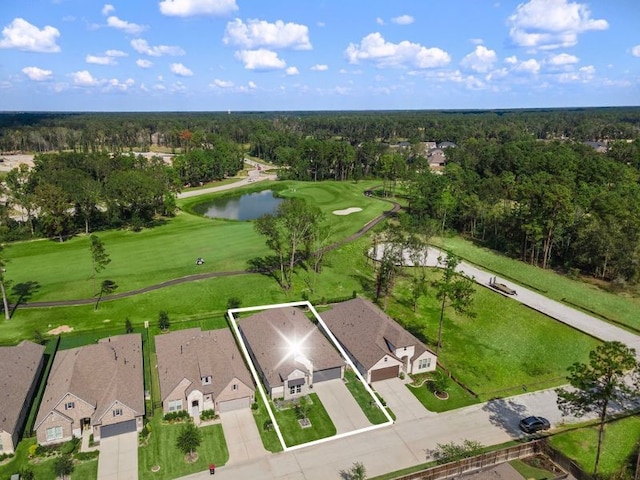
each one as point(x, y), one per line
point(242, 436)
point(343, 409)
point(118, 458)
point(402, 402)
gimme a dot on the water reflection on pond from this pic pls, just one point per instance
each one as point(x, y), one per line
point(246, 207)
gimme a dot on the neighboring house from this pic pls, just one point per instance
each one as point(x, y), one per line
point(436, 158)
point(599, 147)
point(444, 145)
point(97, 388)
point(202, 370)
point(378, 346)
point(21, 367)
point(289, 351)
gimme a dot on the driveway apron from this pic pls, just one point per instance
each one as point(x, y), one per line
point(118, 458)
point(344, 411)
point(242, 436)
point(402, 402)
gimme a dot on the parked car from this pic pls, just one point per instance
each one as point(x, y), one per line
point(534, 424)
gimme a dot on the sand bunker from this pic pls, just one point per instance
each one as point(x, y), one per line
point(60, 329)
point(347, 211)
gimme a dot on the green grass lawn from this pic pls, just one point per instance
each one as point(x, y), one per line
point(367, 404)
point(161, 450)
point(619, 449)
point(506, 349)
point(530, 472)
point(294, 434)
point(44, 468)
point(268, 434)
point(458, 396)
point(620, 308)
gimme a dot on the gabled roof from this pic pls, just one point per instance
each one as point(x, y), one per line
point(367, 332)
point(19, 367)
point(193, 354)
point(269, 334)
point(98, 374)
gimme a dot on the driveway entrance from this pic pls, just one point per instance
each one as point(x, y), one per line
point(242, 436)
point(344, 411)
point(400, 400)
point(118, 459)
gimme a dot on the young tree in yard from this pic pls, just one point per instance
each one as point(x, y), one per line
point(611, 376)
point(63, 466)
point(107, 288)
point(99, 258)
point(128, 326)
point(454, 290)
point(452, 452)
point(189, 439)
point(388, 268)
point(163, 321)
point(357, 472)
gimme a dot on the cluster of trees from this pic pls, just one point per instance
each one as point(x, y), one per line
point(118, 132)
point(208, 162)
point(552, 204)
point(70, 192)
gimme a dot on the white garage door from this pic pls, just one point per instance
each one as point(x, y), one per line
point(237, 404)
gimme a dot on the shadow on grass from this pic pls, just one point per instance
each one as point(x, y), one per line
point(505, 414)
point(24, 291)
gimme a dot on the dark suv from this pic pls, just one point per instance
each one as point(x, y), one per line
point(534, 424)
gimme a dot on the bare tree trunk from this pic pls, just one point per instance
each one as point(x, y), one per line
point(5, 302)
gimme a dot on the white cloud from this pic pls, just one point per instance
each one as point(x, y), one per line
point(320, 68)
point(116, 53)
point(22, 35)
point(259, 33)
point(97, 60)
point(635, 51)
point(379, 21)
point(143, 63)
point(563, 59)
point(512, 60)
point(221, 83)
point(549, 24)
point(143, 47)
point(480, 60)
point(180, 70)
point(37, 74)
point(107, 9)
point(476, 41)
point(189, 8)
point(252, 85)
point(403, 20)
point(583, 75)
point(115, 84)
point(292, 71)
point(84, 79)
point(260, 59)
point(374, 48)
point(127, 27)
point(528, 66)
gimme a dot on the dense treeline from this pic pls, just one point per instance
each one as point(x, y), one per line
point(553, 204)
point(117, 132)
point(66, 193)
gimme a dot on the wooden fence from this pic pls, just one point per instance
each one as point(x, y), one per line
point(480, 462)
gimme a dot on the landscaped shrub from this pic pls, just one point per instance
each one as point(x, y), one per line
point(255, 406)
point(84, 456)
point(4, 456)
point(207, 415)
point(178, 416)
point(32, 450)
point(267, 426)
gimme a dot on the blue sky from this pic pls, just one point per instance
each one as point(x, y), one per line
point(218, 55)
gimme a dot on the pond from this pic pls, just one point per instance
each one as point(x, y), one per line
point(246, 207)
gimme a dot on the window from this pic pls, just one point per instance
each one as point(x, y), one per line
point(295, 389)
point(234, 386)
point(54, 433)
point(424, 363)
point(206, 380)
point(69, 405)
point(175, 405)
point(117, 412)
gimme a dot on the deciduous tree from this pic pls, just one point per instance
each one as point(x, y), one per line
point(189, 439)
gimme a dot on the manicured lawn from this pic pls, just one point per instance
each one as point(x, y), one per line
point(621, 308)
point(294, 434)
point(267, 432)
point(367, 404)
point(162, 451)
point(44, 469)
point(619, 448)
point(458, 396)
point(506, 349)
point(530, 472)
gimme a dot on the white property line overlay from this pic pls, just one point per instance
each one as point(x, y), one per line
point(263, 395)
